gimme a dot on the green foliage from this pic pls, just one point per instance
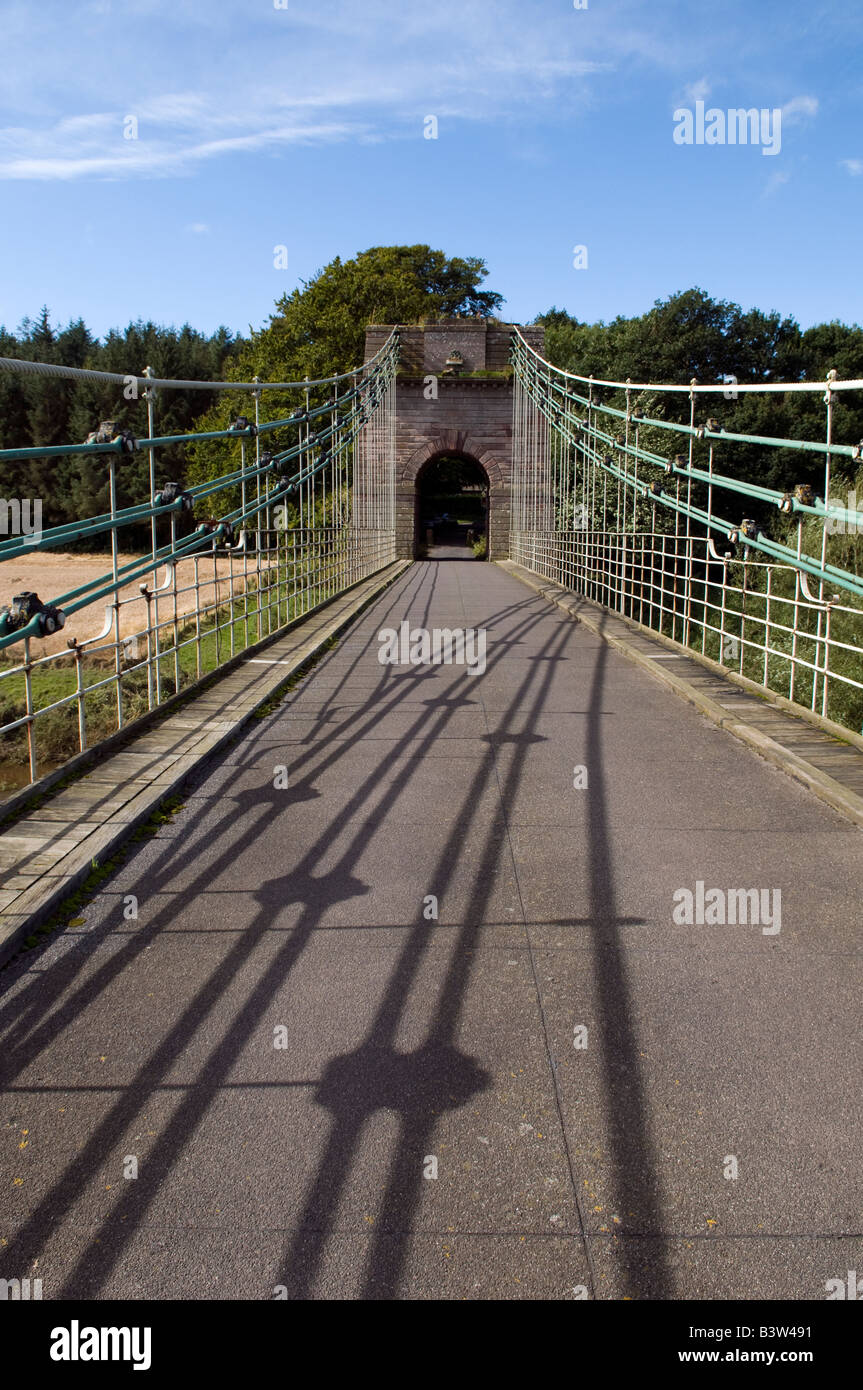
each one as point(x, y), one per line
point(689, 335)
point(38, 410)
point(451, 474)
point(319, 330)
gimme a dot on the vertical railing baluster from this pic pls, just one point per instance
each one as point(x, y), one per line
point(29, 711)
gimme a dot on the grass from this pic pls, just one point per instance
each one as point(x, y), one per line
point(844, 704)
point(205, 647)
point(744, 619)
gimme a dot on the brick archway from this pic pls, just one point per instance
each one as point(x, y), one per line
point(467, 413)
point(458, 443)
point(420, 467)
point(447, 443)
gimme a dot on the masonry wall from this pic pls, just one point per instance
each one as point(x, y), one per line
point(471, 416)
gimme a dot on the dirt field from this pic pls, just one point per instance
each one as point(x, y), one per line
point(52, 575)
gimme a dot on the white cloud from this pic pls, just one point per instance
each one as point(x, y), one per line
point(854, 166)
point(798, 109)
point(775, 182)
point(697, 91)
point(97, 123)
point(198, 229)
point(207, 81)
point(48, 155)
point(178, 109)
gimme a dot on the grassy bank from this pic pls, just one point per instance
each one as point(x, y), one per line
point(201, 649)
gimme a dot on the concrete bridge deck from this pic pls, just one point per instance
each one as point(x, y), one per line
point(284, 1043)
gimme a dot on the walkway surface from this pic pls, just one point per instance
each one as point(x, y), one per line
point(287, 1049)
point(47, 852)
point(450, 552)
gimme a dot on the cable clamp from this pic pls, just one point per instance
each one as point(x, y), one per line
point(26, 606)
point(109, 432)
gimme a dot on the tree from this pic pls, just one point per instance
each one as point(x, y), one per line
point(692, 335)
point(319, 330)
point(36, 410)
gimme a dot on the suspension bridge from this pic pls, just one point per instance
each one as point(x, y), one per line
point(378, 922)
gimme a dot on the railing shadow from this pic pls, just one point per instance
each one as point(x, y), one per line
point(376, 1076)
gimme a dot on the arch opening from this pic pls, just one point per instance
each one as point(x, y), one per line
point(451, 508)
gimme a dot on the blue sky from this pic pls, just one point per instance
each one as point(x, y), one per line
point(303, 126)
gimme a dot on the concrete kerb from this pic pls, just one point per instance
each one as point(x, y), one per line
point(841, 798)
point(47, 895)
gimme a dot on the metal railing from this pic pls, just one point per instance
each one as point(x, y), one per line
point(599, 508)
point(291, 526)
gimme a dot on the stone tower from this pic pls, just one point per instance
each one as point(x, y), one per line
point(453, 397)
